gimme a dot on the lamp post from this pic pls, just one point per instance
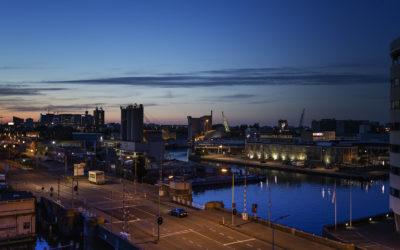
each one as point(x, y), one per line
point(244, 214)
point(273, 229)
point(233, 199)
point(135, 162)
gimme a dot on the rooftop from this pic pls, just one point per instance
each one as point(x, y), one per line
point(15, 195)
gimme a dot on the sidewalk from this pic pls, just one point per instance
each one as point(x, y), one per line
point(284, 240)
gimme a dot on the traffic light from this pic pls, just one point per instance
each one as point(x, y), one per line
point(234, 211)
point(254, 208)
point(159, 220)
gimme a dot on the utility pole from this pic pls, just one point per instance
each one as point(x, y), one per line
point(233, 198)
point(135, 179)
point(244, 215)
point(123, 206)
point(334, 200)
point(351, 208)
point(269, 200)
point(159, 200)
point(58, 190)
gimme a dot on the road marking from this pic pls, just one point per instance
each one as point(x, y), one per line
point(191, 242)
point(175, 233)
point(222, 234)
point(206, 237)
point(249, 245)
point(238, 241)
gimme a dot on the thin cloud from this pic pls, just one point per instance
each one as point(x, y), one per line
point(17, 90)
point(52, 108)
point(242, 77)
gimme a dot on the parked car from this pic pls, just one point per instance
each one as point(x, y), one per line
point(178, 212)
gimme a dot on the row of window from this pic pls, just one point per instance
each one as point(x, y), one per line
point(394, 104)
point(394, 192)
point(395, 82)
point(395, 170)
point(395, 148)
point(395, 126)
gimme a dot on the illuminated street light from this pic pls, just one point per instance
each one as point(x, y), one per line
point(224, 170)
point(53, 142)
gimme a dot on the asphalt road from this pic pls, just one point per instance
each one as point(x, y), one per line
point(200, 230)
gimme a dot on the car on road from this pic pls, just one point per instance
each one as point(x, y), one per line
point(178, 212)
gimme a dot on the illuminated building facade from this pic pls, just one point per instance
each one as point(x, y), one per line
point(394, 198)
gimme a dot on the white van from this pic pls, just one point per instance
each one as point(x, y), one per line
point(97, 177)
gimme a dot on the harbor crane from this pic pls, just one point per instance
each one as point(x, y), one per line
point(227, 129)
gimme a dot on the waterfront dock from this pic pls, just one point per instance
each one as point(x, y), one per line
point(359, 175)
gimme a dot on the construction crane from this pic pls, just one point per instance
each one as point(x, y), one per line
point(227, 129)
point(302, 118)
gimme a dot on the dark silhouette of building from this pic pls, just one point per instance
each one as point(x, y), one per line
point(132, 123)
point(98, 115)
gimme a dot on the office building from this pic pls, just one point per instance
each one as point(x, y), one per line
point(132, 123)
point(394, 198)
point(17, 216)
point(98, 115)
point(17, 121)
point(199, 126)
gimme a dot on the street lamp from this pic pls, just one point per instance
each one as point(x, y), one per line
point(273, 229)
point(224, 171)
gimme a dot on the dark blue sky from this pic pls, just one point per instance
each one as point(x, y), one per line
point(256, 60)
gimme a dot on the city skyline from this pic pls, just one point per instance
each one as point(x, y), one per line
point(186, 59)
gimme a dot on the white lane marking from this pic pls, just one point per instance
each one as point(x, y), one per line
point(191, 242)
point(175, 233)
point(222, 234)
point(135, 220)
point(249, 245)
point(206, 237)
point(238, 241)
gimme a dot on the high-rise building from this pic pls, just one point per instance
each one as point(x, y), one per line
point(17, 121)
point(394, 198)
point(199, 126)
point(98, 115)
point(132, 123)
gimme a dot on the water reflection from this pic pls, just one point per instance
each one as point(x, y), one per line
point(308, 199)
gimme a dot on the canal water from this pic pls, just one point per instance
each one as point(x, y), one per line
point(307, 200)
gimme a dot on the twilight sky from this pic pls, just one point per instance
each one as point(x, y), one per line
point(258, 61)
